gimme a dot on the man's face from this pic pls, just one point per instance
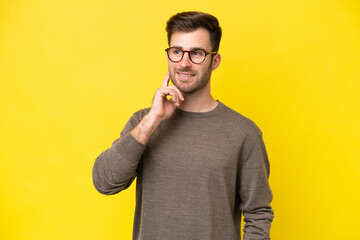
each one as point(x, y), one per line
point(187, 76)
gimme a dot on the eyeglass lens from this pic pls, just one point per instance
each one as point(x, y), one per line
point(196, 55)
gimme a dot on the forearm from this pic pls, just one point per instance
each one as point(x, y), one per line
point(256, 194)
point(115, 168)
point(146, 128)
point(258, 223)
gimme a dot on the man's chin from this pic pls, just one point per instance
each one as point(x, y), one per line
point(183, 87)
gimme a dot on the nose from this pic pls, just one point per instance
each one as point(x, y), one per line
point(185, 61)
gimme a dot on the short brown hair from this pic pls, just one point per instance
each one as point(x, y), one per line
point(191, 21)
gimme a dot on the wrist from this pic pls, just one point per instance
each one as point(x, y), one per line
point(145, 129)
point(153, 118)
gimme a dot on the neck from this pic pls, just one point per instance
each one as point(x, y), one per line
point(199, 101)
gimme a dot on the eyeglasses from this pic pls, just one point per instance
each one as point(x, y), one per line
point(196, 56)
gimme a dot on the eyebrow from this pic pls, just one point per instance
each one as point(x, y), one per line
point(194, 48)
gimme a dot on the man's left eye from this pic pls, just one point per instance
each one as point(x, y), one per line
point(197, 53)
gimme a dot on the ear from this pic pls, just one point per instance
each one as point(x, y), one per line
point(216, 61)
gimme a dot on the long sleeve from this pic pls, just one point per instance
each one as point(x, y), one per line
point(255, 192)
point(115, 169)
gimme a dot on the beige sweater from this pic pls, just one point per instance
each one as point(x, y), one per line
point(196, 176)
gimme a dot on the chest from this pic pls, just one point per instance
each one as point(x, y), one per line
point(193, 150)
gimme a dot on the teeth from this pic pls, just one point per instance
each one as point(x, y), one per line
point(185, 75)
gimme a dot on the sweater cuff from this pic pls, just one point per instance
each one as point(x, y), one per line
point(130, 148)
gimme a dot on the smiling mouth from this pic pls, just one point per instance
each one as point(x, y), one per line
point(185, 75)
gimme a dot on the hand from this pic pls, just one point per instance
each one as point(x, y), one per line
point(162, 108)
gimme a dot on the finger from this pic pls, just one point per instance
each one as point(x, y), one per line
point(174, 96)
point(167, 91)
point(181, 97)
point(165, 82)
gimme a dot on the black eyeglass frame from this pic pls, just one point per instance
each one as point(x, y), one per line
point(183, 53)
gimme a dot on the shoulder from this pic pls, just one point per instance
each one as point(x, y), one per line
point(239, 123)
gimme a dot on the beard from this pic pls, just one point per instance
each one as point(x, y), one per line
point(199, 83)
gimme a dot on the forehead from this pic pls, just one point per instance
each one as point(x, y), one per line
point(200, 38)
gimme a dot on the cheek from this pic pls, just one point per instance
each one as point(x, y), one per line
point(171, 71)
point(205, 69)
point(171, 65)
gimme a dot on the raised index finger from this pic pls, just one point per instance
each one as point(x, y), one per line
point(165, 82)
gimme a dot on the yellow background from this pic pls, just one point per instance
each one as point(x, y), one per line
point(72, 73)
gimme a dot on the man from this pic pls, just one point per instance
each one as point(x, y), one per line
point(199, 165)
